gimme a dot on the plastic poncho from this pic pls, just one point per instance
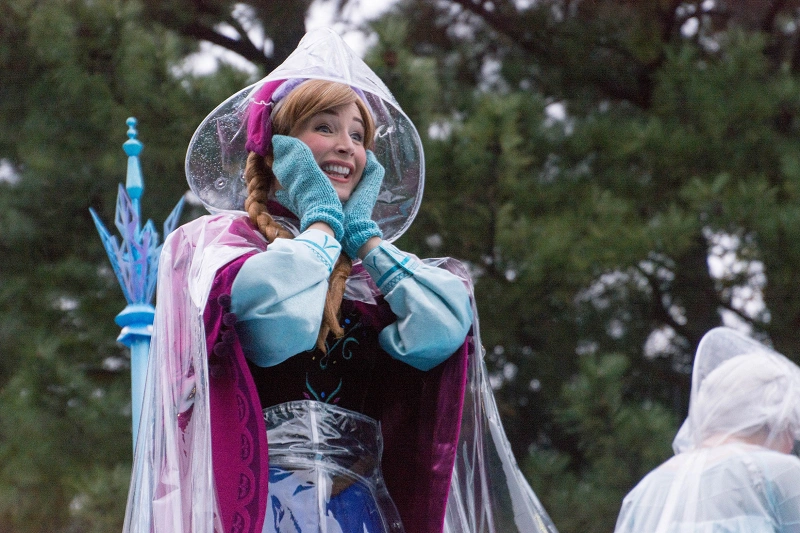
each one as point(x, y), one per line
point(733, 471)
point(175, 480)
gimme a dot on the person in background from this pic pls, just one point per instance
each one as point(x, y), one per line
point(733, 469)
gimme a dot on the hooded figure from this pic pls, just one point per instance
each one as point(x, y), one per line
point(305, 374)
point(733, 470)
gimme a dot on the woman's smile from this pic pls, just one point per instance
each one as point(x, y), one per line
point(336, 172)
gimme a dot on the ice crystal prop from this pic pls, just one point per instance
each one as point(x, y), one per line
point(134, 259)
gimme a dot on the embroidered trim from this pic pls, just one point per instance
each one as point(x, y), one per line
point(321, 249)
point(394, 281)
point(389, 266)
point(391, 271)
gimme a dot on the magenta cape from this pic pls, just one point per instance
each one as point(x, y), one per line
point(420, 428)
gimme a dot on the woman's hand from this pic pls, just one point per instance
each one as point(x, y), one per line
point(306, 191)
point(358, 224)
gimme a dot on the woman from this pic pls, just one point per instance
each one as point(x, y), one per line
point(376, 413)
point(733, 470)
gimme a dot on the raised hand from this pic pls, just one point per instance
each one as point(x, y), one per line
point(358, 224)
point(306, 191)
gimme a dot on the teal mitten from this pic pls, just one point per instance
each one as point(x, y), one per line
point(307, 191)
point(358, 224)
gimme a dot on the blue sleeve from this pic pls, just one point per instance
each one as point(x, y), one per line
point(432, 306)
point(278, 296)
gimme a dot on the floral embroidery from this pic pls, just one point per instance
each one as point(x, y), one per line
point(340, 349)
point(323, 396)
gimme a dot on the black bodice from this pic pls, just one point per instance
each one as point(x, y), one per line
point(350, 375)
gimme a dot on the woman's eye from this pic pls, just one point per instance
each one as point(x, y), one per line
point(357, 137)
point(324, 128)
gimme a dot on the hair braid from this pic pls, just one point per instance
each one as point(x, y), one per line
point(260, 180)
point(333, 301)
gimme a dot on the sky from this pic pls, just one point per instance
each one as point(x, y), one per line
point(321, 14)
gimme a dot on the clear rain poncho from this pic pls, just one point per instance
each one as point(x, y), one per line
point(176, 483)
point(733, 470)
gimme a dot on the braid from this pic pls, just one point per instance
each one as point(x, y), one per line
point(260, 180)
point(333, 301)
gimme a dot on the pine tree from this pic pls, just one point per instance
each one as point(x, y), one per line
point(620, 176)
point(72, 73)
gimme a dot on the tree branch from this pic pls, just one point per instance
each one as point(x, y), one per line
point(477, 7)
point(244, 46)
point(795, 60)
point(639, 94)
point(670, 21)
point(660, 312)
point(502, 25)
point(234, 22)
point(739, 313)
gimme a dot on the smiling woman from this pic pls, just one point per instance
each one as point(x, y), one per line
point(291, 389)
point(316, 127)
point(317, 165)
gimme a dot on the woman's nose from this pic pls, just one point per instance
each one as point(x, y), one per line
point(345, 144)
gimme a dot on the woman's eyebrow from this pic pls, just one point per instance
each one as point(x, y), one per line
point(330, 113)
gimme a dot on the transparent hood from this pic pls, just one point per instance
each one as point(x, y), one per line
point(741, 390)
point(216, 156)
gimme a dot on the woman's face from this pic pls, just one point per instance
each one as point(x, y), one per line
point(336, 138)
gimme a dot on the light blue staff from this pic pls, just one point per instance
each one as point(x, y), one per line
point(135, 263)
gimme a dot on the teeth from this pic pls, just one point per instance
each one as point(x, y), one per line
point(336, 169)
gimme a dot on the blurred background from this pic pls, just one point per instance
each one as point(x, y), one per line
point(620, 177)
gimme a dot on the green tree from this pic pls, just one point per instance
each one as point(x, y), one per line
point(593, 161)
point(609, 431)
point(72, 72)
point(589, 160)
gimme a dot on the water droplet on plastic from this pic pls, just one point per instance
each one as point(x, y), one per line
point(220, 183)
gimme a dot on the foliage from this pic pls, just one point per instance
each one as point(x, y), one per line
point(72, 73)
point(619, 176)
point(620, 441)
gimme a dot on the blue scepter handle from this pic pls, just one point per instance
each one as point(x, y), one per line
point(134, 260)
